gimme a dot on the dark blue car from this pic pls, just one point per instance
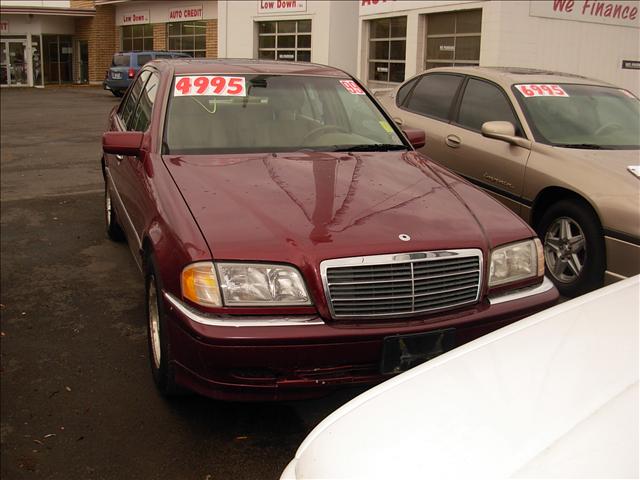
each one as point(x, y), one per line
point(125, 66)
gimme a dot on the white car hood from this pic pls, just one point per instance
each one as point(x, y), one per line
point(554, 395)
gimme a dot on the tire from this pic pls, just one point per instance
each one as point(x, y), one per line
point(160, 358)
point(117, 93)
point(114, 231)
point(574, 252)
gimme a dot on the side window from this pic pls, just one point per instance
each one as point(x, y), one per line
point(129, 104)
point(485, 102)
point(434, 95)
point(140, 120)
point(403, 92)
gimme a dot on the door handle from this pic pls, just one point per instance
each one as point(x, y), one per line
point(398, 121)
point(119, 157)
point(453, 141)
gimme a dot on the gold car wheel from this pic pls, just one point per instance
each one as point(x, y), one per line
point(565, 249)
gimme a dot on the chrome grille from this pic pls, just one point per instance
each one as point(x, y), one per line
point(402, 284)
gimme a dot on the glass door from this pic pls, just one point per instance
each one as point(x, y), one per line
point(17, 63)
point(4, 64)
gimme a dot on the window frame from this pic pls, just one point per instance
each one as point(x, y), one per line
point(387, 40)
point(520, 132)
point(450, 62)
point(454, 100)
point(144, 37)
point(275, 49)
point(192, 52)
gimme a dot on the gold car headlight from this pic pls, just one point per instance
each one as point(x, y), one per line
point(517, 261)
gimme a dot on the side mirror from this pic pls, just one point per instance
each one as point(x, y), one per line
point(122, 143)
point(415, 136)
point(504, 131)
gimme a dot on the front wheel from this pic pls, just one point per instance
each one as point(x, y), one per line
point(574, 250)
point(158, 335)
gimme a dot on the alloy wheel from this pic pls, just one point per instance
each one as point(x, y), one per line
point(565, 249)
point(154, 323)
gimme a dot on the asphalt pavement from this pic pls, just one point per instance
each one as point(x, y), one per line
point(77, 399)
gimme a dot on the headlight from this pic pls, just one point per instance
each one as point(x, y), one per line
point(255, 284)
point(517, 261)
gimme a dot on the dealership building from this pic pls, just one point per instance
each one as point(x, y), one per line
point(381, 42)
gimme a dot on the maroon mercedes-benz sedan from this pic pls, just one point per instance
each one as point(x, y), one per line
point(291, 238)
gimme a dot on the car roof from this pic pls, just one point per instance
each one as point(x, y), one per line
point(507, 76)
point(185, 66)
point(552, 395)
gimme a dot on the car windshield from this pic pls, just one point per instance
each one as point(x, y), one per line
point(120, 61)
point(581, 116)
point(271, 113)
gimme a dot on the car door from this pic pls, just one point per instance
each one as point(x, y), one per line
point(427, 103)
point(495, 165)
point(123, 184)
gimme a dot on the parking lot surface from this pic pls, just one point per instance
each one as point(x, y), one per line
point(77, 397)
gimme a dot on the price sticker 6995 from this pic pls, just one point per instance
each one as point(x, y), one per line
point(542, 90)
point(190, 85)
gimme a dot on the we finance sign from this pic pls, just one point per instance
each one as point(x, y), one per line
point(266, 7)
point(622, 13)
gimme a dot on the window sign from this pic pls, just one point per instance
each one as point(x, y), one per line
point(285, 40)
point(622, 13)
point(135, 18)
point(266, 7)
point(180, 14)
point(387, 49)
point(453, 38)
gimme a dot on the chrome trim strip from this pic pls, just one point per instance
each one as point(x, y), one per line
point(408, 257)
point(545, 286)
point(238, 321)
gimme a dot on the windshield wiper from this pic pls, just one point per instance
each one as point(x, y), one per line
point(376, 147)
point(585, 146)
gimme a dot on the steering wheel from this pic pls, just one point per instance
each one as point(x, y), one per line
point(608, 126)
point(317, 132)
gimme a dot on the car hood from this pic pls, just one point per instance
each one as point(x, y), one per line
point(304, 207)
point(530, 400)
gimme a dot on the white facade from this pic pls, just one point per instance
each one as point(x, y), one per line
point(333, 28)
point(584, 37)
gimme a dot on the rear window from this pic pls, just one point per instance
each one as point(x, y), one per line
point(121, 61)
point(144, 58)
point(163, 55)
point(434, 95)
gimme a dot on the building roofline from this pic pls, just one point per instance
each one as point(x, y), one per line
point(64, 12)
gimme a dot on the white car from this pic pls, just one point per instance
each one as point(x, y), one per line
point(552, 396)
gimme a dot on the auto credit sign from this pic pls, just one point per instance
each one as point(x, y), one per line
point(193, 12)
point(266, 7)
point(622, 13)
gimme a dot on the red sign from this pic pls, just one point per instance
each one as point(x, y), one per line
point(209, 85)
point(186, 13)
point(352, 87)
point(540, 90)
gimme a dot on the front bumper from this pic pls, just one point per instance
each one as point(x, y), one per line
point(269, 358)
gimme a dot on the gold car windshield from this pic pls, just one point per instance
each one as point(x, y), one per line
point(581, 116)
point(227, 113)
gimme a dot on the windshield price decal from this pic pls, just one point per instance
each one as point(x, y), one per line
point(540, 90)
point(209, 85)
point(352, 87)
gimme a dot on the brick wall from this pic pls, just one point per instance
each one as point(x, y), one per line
point(82, 4)
point(101, 34)
point(159, 36)
point(212, 38)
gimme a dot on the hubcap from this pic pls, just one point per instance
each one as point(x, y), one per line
point(565, 249)
point(154, 323)
point(107, 207)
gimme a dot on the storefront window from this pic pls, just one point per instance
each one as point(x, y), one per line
point(136, 38)
point(58, 58)
point(387, 48)
point(453, 38)
point(285, 40)
point(188, 37)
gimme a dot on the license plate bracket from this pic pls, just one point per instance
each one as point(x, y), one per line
point(116, 76)
point(402, 352)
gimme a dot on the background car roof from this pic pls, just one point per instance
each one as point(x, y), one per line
point(507, 76)
point(248, 66)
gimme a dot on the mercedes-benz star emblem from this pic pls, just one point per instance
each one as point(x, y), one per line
point(404, 237)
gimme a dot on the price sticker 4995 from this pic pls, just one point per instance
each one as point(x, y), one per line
point(190, 85)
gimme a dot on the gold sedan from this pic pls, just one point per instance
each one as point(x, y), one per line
point(561, 151)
